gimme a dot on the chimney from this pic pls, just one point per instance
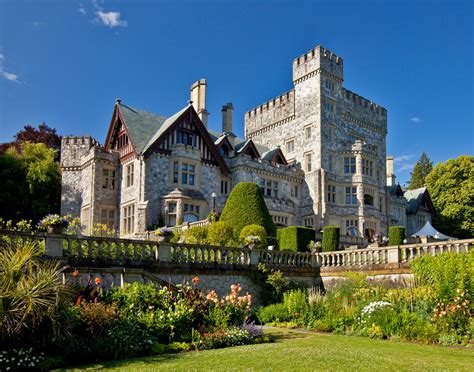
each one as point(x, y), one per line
point(198, 98)
point(390, 175)
point(227, 111)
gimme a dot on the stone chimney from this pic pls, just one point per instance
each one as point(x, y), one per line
point(227, 112)
point(390, 175)
point(198, 98)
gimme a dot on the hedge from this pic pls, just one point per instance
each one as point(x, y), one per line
point(331, 238)
point(295, 238)
point(246, 206)
point(396, 235)
point(255, 230)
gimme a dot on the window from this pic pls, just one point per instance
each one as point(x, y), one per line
point(294, 191)
point(380, 205)
point(420, 220)
point(224, 187)
point(329, 107)
point(129, 172)
point(367, 167)
point(329, 85)
point(186, 138)
point(107, 217)
point(331, 194)
point(122, 140)
point(349, 165)
point(307, 132)
point(331, 160)
point(351, 195)
point(352, 227)
point(108, 179)
point(187, 171)
point(308, 221)
point(269, 187)
point(85, 219)
point(282, 220)
point(191, 208)
point(368, 200)
point(290, 146)
point(128, 219)
point(308, 162)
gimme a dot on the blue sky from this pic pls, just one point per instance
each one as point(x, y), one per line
point(65, 62)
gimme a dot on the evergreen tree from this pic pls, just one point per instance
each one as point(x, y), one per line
point(422, 168)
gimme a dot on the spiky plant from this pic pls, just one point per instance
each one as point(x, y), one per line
point(32, 293)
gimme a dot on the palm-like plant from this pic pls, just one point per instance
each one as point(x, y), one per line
point(32, 292)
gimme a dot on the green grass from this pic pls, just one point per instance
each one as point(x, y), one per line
point(295, 350)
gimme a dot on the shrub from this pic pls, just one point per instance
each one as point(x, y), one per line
point(396, 235)
point(295, 238)
point(246, 206)
point(196, 235)
point(273, 313)
point(97, 317)
point(296, 302)
point(330, 238)
point(254, 230)
point(220, 233)
point(446, 273)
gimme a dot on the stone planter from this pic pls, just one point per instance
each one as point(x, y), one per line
point(55, 229)
point(164, 238)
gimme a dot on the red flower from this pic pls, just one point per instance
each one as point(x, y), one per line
point(195, 280)
point(97, 281)
point(75, 273)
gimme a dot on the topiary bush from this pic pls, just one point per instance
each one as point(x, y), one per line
point(255, 230)
point(246, 206)
point(220, 233)
point(295, 238)
point(331, 238)
point(396, 235)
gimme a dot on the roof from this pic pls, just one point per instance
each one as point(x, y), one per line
point(141, 125)
point(395, 190)
point(414, 198)
point(166, 124)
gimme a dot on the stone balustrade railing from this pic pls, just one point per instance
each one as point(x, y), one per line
point(187, 225)
point(121, 251)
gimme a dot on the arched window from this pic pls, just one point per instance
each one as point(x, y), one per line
point(190, 217)
point(352, 231)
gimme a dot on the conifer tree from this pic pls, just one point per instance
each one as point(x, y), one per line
point(422, 168)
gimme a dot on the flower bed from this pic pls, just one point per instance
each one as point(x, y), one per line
point(435, 307)
point(71, 323)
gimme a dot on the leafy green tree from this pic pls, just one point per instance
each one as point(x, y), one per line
point(451, 187)
point(34, 188)
point(246, 206)
point(422, 168)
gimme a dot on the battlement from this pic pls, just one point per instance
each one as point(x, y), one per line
point(281, 100)
point(364, 102)
point(318, 59)
point(75, 148)
point(80, 140)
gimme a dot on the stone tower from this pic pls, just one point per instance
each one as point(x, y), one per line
point(339, 139)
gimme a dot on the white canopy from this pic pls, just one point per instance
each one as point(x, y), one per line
point(429, 230)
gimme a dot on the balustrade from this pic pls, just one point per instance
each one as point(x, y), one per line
point(103, 248)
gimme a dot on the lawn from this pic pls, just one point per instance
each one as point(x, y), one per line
point(302, 351)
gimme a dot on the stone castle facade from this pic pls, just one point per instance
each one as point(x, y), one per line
point(318, 153)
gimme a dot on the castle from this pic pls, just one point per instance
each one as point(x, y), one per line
point(318, 153)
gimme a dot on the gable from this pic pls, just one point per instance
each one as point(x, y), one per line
point(186, 128)
point(248, 148)
point(275, 156)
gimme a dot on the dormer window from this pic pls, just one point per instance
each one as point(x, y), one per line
point(224, 151)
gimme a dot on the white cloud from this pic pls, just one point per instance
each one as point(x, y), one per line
point(110, 19)
point(37, 23)
point(5, 74)
point(416, 120)
point(406, 166)
point(82, 10)
point(403, 158)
